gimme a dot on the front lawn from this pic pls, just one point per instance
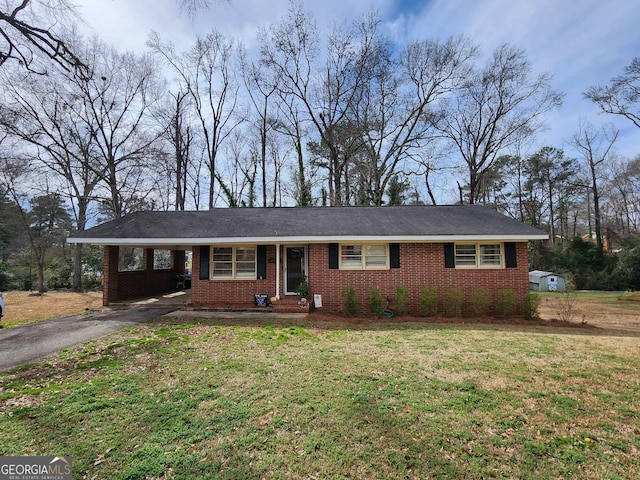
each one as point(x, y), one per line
point(217, 400)
point(25, 307)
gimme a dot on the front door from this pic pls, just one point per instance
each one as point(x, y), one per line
point(295, 268)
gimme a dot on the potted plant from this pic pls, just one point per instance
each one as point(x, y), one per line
point(303, 289)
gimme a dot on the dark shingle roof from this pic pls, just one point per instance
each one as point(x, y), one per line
point(310, 224)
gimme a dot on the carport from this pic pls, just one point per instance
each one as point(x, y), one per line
point(134, 272)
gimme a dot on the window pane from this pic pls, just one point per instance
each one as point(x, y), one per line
point(245, 254)
point(223, 254)
point(376, 255)
point(223, 262)
point(245, 270)
point(222, 269)
point(351, 256)
point(490, 255)
point(465, 255)
point(161, 259)
point(245, 262)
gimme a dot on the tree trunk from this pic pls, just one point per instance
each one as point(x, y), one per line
point(77, 267)
point(40, 268)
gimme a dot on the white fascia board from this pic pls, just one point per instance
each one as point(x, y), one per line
point(304, 240)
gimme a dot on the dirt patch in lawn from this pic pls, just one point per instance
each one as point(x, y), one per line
point(608, 312)
point(24, 307)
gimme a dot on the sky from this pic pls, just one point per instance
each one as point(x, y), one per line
point(579, 42)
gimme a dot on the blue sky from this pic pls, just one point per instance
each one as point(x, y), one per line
point(579, 42)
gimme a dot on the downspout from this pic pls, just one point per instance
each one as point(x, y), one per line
point(277, 271)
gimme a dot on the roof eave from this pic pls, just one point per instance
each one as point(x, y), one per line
point(305, 240)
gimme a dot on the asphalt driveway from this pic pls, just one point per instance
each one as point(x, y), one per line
point(28, 343)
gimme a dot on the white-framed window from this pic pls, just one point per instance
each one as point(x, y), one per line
point(364, 256)
point(229, 262)
point(479, 255)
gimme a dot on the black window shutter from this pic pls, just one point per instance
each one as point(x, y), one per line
point(394, 255)
point(203, 274)
point(261, 254)
point(333, 256)
point(510, 256)
point(449, 255)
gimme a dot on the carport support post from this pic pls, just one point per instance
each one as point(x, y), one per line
point(277, 271)
point(177, 261)
point(110, 274)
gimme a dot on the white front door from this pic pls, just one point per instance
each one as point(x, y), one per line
point(295, 268)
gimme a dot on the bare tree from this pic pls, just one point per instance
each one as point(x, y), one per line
point(42, 217)
point(193, 7)
point(90, 134)
point(396, 111)
point(291, 126)
point(41, 114)
point(594, 146)
point(495, 109)
point(206, 73)
point(176, 123)
point(262, 90)
point(326, 93)
point(115, 106)
point(238, 176)
point(622, 95)
point(27, 34)
point(624, 196)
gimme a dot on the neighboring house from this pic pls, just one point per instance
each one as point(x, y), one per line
point(540, 281)
point(238, 253)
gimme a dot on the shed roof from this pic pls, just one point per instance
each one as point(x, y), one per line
point(309, 225)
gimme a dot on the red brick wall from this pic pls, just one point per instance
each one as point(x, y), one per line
point(223, 293)
point(421, 264)
point(110, 275)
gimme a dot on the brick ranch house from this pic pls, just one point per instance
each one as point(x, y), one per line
point(238, 253)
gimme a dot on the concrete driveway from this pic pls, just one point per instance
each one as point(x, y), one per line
point(34, 341)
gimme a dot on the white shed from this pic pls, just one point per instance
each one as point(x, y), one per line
point(540, 281)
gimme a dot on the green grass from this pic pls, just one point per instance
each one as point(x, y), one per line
point(234, 401)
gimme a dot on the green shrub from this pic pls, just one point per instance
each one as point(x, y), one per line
point(375, 301)
point(531, 305)
point(479, 302)
point(429, 301)
point(452, 302)
point(402, 298)
point(507, 301)
point(349, 301)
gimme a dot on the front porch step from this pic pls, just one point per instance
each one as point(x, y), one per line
point(289, 305)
